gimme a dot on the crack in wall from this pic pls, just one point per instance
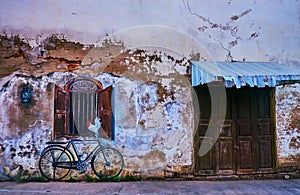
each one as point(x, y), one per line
point(229, 26)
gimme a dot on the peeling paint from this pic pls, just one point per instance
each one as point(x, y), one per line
point(150, 94)
point(152, 99)
point(287, 124)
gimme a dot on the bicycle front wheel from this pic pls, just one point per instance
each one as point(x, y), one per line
point(107, 163)
point(55, 163)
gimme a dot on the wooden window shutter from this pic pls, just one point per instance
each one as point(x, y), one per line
point(105, 110)
point(61, 112)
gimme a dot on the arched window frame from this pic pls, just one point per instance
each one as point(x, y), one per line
point(63, 116)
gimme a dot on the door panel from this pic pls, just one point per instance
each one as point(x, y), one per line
point(243, 103)
point(245, 161)
point(244, 146)
point(204, 163)
point(204, 135)
point(225, 148)
point(204, 131)
point(265, 130)
point(265, 151)
point(263, 102)
point(244, 128)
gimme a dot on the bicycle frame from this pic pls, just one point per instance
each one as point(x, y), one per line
point(71, 144)
point(77, 155)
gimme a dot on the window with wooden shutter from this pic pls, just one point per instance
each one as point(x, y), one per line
point(61, 112)
point(82, 100)
point(105, 110)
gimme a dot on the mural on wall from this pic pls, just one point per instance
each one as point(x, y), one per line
point(148, 67)
point(145, 109)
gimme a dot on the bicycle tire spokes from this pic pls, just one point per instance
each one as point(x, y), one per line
point(107, 163)
point(55, 164)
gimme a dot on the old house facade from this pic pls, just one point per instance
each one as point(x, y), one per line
point(141, 113)
point(183, 100)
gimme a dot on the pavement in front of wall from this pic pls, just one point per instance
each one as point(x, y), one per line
point(273, 186)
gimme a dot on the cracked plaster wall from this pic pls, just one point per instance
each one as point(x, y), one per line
point(229, 30)
point(203, 32)
point(288, 125)
point(151, 102)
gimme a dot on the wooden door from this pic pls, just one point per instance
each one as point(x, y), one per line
point(224, 147)
point(245, 129)
point(255, 130)
point(242, 142)
point(215, 132)
point(204, 136)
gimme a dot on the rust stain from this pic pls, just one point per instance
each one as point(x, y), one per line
point(17, 55)
point(163, 93)
point(118, 65)
point(124, 61)
point(60, 55)
point(295, 118)
point(70, 64)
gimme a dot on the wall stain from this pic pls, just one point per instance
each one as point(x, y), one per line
point(295, 143)
point(2, 148)
point(295, 119)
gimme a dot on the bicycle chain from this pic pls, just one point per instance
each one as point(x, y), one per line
point(81, 165)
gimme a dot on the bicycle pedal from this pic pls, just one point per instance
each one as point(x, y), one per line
point(81, 172)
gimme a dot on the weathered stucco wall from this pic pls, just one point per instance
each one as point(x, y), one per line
point(253, 30)
point(152, 103)
point(24, 128)
point(288, 125)
point(142, 49)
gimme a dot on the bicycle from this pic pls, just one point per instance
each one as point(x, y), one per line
point(57, 160)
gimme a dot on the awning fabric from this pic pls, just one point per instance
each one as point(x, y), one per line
point(240, 74)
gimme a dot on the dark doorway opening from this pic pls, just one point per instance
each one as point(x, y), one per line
point(242, 141)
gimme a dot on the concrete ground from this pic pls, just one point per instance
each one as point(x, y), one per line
point(259, 187)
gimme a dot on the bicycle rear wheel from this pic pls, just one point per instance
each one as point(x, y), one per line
point(107, 163)
point(55, 163)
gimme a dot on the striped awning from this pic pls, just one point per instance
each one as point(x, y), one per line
point(240, 74)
